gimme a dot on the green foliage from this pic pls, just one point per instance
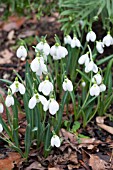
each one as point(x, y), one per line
point(27, 7)
point(76, 14)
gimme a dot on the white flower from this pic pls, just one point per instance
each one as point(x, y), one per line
point(67, 85)
point(108, 40)
point(75, 42)
point(102, 87)
point(44, 47)
point(83, 84)
point(55, 141)
point(9, 100)
point(46, 87)
point(58, 52)
point(17, 86)
point(36, 99)
point(91, 36)
point(21, 53)
point(97, 78)
point(52, 105)
point(95, 90)
point(67, 39)
point(1, 128)
point(100, 47)
point(84, 59)
point(38, 66)
point(1, 108)
point(91, 66)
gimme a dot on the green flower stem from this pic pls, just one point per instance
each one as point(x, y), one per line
point(86, 98)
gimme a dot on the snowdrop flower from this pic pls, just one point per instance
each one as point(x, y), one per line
point(17, 87)
point(91, 66)
point(36, 99)
point(67, 85)
point(91, 36)
point(75, 42)
point(21, 53)
point(95, 90)
point(84, 59)
point(100, 47)
point(1, 108)
point(1, 128)
point(9, 99)
point(44, 47)
point(52, 105)
point(67, 39)
point(97, 78)
point(46, 87)
point(55, 141)
point(38, 66)
point(108, 40)
point(58, 52)
point(102, 87)
point(83, 84)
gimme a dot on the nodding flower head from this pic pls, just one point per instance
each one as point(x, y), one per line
point(38, 66)
point(52, 105)
point(21, 53)
point(46, 87)
point(55, 141)
point(67, 39)
point(17, 87)
point(43, 47)
point(75, 43)
point(91, 36)
point(108, 40)
point(100, 47)
point(67, 85)
point(9, 99)
point(58, 52)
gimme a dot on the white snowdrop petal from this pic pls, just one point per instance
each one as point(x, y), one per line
point(92, 91)
point(69, 86)
point(53, 50)
point(21, 52)
point(39, 46)
point(13, 88)
point(46, 49)
point(108, 40)
point(77, 43)
point(90, 66)
point(55, 141)
point(1, 108)
point(99, 47)
point(98, 78)
point(8, 101)
point(35, 65)
point(83, 59)
point(73, 43)
point(88, 37)
point(46, 89)
point(1, 128)
point(67, 40)
point(95, 68)
point(21, 88)
point(53, 107)
point(64, 85)
point(42, 99)
point(92, 36)
point(32, 102)
point(46, 106)
point(102, 87)
point(40, 86)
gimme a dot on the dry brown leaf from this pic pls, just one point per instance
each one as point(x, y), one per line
point(73, 158)
point(54, 168)
point(67, 135)
point(96, 163)
point(35, 165)
point(6, 54)
point(27, 33)
point(8, 163)
point(11, 35)
point(13, 22)
point(100, 123)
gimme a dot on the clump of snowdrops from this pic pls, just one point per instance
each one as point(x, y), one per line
point(56, 77)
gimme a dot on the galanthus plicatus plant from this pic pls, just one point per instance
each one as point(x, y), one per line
point(57, 76)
